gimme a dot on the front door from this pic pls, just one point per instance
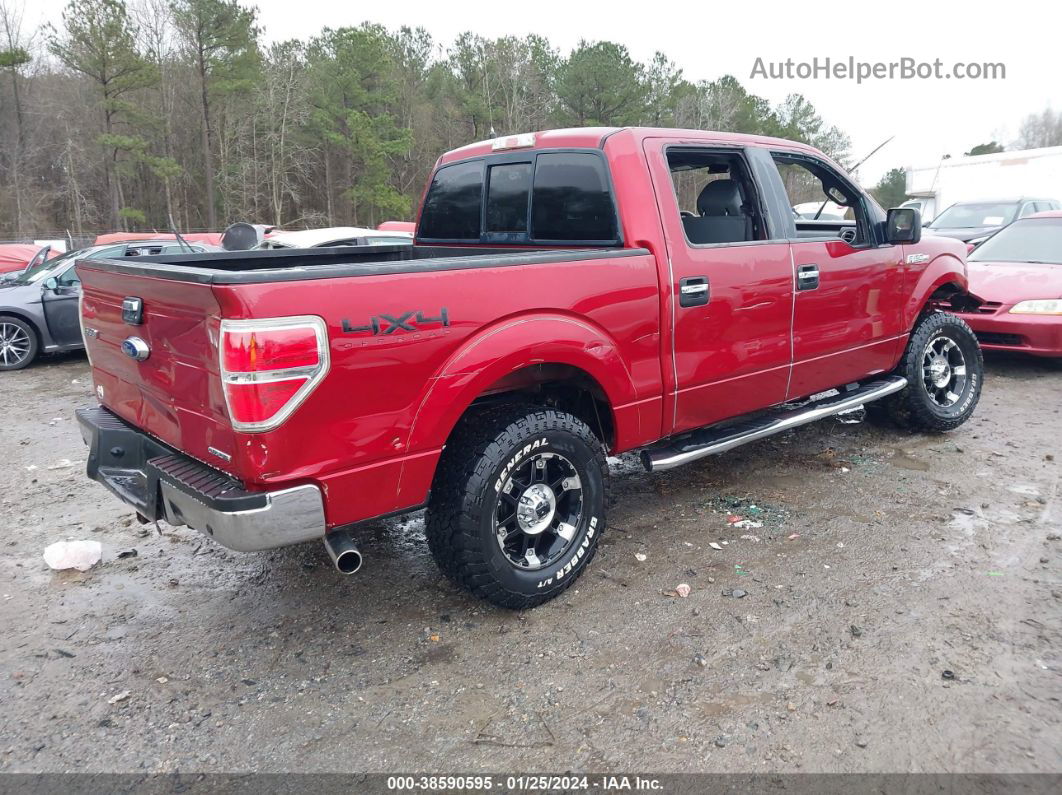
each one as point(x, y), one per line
point(61, 308)
point(848, 314)
point(732, 285)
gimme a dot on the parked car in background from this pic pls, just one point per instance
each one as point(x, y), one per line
point(820, 211)
point(1018, 274)
point(397, 226)
point(335, 236)
point(571, 294)
point(14, 257)
point(206, 238)
point(973, 222)
point(39, 306)
point(924, 206)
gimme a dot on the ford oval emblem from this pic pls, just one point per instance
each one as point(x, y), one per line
point(135, 348)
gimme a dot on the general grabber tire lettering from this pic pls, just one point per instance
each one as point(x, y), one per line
point(518, 504)
point(945, 372)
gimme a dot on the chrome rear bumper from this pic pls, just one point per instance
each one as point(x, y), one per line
point(161, 483)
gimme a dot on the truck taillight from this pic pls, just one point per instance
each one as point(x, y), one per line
point(269, 366)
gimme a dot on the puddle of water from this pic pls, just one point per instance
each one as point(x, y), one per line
point(1024, 489)
point(904, 460)
point(715, 709)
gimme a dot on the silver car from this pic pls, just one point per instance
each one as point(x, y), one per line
point(39, 306)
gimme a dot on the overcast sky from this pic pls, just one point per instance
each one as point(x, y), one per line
point(707, 39)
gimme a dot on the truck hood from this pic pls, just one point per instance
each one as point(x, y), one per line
point(1010, 282)
point(963, 233)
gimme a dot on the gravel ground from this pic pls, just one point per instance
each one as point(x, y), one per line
point(898, 609)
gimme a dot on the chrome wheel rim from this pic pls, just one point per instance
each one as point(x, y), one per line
point(943, 371)
point(14, 344)
point(538, 511)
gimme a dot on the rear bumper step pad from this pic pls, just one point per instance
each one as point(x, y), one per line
point(161, 483)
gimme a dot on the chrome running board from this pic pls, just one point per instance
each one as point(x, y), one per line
point(714, 439)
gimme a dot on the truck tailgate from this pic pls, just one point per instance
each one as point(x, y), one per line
point(175, 393)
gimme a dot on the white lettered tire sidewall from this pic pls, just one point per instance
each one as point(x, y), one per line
point(556, 576)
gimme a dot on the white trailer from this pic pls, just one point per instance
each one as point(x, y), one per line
point(1030, 172)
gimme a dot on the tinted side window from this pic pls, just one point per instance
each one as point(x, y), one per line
point(107, 253)
point(451, 208)
point(69, 277)
point(507, 191)
point(571, 199)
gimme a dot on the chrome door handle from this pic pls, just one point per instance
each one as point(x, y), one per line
point(808, 277)
point(693, 291)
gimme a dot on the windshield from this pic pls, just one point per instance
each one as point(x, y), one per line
point(1030, 240)
point(966, 216)
point(38, 271)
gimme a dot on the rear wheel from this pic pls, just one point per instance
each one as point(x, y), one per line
point(518, 505)
point(18, 343)
point(944, 370)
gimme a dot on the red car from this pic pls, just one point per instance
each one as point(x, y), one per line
point(397, 226)
point(209, 238)
point(15, 257)
point(570, 294)
point(1018, 274)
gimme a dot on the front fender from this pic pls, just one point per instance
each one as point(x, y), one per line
point(942, 270)
point(34, 316)
point(510, 345)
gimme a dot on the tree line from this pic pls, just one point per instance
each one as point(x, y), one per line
point(119, 116)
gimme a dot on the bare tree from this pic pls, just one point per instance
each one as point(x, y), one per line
point(14, 56)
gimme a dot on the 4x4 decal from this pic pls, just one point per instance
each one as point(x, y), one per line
point(412, 320)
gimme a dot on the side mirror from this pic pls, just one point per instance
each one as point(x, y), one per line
point(51, 283)
point(903, 225)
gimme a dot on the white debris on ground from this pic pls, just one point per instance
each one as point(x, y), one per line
point(80, 555)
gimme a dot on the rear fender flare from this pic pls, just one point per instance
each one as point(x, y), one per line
point(511, 345)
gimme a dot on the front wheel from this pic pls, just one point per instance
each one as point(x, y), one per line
point(18, 343)
point(518, 504)
point(944, 370)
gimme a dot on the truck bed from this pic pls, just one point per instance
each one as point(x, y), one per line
point(257, 267)
point(403, 354)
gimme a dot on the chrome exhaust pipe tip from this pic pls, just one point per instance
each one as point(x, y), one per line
point(343, 551)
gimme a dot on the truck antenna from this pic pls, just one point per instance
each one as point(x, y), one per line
point(176, 234)
point(873, 152)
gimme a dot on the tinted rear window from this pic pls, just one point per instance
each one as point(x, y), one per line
point(451, 209)
point(569, 193)
point(571, 199)
point(507, 197)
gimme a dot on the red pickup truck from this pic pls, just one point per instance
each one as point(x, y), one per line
point(570, 294)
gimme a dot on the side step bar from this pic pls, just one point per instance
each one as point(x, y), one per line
point(712, 440)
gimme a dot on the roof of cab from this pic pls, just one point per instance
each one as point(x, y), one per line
point(594, 138)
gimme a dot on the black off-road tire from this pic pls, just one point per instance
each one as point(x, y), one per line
point(12, 326)
point(914, 407)
point(485, 449)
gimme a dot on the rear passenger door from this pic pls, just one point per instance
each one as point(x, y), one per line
point(731, 284)
point(848, 305)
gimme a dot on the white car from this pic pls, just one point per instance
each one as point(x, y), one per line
point(817, 211)
point(335, 236)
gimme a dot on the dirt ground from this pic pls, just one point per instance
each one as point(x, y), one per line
point(899, 609)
